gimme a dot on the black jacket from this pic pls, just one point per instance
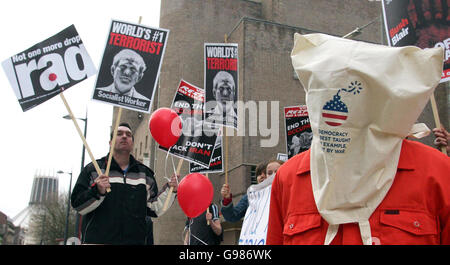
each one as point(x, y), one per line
point(119, 217)
point(200, 232)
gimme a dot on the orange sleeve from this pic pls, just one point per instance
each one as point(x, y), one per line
point(275, 226)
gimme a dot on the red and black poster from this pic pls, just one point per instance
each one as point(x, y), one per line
point(221, 83)
point(130, 66)
point(422, 23)
point(197, 141)
point(42, 71)
point(216, 164)
point(298, 130)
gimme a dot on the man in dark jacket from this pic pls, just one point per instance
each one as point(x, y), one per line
point(118, 216)
point(204, 229)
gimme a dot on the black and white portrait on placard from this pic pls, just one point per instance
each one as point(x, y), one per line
point(127, 69)
point(130, 66)
point(221, 84)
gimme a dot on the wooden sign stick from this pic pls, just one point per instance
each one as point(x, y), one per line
point(226, 153)
point(113, 141)
point(166, 203)
point(207, 209)
point(226, 139)
point(436, 118)
point(97, 168)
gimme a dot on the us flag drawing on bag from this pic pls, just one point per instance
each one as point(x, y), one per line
point(335, 112)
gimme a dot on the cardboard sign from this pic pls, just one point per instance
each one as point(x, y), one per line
point(46, 69)
point(221, 83)
point(298, 130)
point(282, 157)
point(130, 66)
point(197, 141)
point(256, 219)
point(424, 24)
point(216, 163)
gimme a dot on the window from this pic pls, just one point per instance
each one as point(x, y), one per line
point(253, 175)
point(146, 142)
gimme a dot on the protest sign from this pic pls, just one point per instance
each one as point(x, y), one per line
point(282, 157)
point(425, 24)
point(221, 83)
point(46, 69)
point(216, 164)
point(298, 130)
point(197, 141)
point(256, 219)
point(130, 65)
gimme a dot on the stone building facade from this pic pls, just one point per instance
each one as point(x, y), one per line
point(264, 32)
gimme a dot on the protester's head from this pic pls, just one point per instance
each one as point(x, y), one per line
point(124, 138)
point(260, 172)
point(127, 69)
point(224, 88)
point(272, 166)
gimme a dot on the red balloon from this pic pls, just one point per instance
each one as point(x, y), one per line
point(195, 194)
point(165, 127)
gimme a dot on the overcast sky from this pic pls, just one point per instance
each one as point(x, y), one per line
point(40, 140)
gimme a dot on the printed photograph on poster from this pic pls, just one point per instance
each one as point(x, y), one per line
point(42, 71)
point(298, 130)
point(216, 164)
point(197, 141)
point(221, 83)
point(130, 65)
point(425, 24)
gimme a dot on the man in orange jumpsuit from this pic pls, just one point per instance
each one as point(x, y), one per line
point(361, 182)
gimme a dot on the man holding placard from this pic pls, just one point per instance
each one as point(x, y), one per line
point(119, 217)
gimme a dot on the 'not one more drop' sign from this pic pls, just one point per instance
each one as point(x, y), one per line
point(49, 67)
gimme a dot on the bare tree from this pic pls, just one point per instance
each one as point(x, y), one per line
point(48, 221)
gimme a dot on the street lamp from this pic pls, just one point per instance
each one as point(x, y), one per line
point(358, 30)
point(68, 205)
point(84, 134)
point(78, 219)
